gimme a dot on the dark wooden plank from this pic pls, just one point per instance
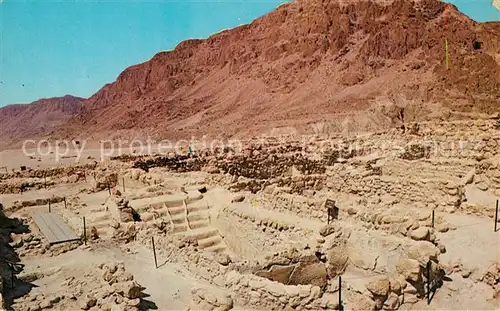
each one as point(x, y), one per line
point(65, 229)
point(49, 220)
point(44, 227)
point(54, 228)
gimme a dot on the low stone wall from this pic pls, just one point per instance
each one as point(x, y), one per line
point(263, 294)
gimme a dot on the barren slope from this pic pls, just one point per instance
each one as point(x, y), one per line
point(23, 121)
point(310, 60)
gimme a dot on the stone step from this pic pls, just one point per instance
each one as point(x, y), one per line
point(210, 241)
point(202, 206)
point(99, 224)
point(161, 212)
point(193, 196)
point(176, 210)
point(180, 228)
point(199, 215)
point(202, 233)
point(100, 216)
point(105, 232)
point(174, 203)
point(199, 224)
point(179, 220)
point(216, 248)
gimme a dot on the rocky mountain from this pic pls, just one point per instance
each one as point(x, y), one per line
point(354, 64)
point(24, 121)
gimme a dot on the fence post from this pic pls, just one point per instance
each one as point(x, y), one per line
point(432, 218)
point(340, 294)
point(123, 183)
point(45, 179)
point(429, 282)
point(84, 231)
point(154, 251)
point(49, 206)
point(496, 217)
point(65, 206)
point(109, 189)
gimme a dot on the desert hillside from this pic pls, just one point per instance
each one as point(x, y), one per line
point(23, 121)
point(349, 62)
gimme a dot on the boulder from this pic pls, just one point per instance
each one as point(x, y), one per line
point(410, 269)
point(423, 251)
point(395, 286)
point(379, 287)
point(392, 302)
point(420, 234)
point(337, 261)
point(222, 258)
point(469, 177)
point(275, 289)
point(93, 233)
point(88, 302)
point(326, 230)
point(131, 289)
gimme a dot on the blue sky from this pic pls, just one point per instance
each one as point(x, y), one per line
point(52, 48)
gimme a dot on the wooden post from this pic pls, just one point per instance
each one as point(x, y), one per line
point(49, 206)
point(45, 179)
point(84, 231)
point(340, 294)
point(429, 282)
point(154, 251)
point(432, 218)
point(496, 217)
point(123, 184)
point(109, 189)
point(65, 206)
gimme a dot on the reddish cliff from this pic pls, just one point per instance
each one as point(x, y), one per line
point(306, 61)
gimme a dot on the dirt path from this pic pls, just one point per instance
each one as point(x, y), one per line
point(474, 242)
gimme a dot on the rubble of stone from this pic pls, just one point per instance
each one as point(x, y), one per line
point(248, 230)
point(107, 287)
